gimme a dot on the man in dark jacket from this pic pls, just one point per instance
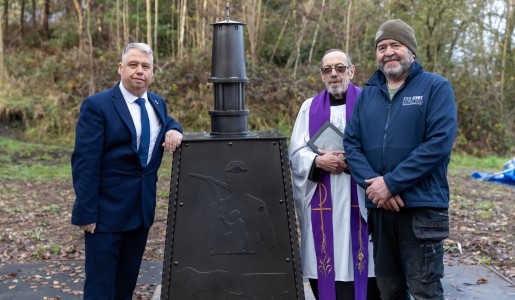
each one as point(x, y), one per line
point(398, 144)
point(119, 142)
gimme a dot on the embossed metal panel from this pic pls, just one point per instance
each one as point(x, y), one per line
point(231, 230)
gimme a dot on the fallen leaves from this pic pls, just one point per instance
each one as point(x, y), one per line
point(35, 225)
point(482, 223)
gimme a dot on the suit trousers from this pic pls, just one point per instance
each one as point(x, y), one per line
point(113, 260)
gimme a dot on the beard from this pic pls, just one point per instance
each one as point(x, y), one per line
point(336, 90)
point(395, 72)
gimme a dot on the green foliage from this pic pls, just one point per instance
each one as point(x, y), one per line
point(25, 160)
point(48, 77)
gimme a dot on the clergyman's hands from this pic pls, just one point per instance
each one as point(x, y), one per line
point(331, 161)
point(173, 139)
point(89, 227)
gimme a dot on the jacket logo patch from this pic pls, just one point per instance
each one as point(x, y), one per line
point(415, 100)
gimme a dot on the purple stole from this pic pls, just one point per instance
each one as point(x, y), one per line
point(321, 212)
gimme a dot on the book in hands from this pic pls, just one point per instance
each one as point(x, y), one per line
point(328, 137)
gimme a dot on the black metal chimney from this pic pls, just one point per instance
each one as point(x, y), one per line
point(229, 116)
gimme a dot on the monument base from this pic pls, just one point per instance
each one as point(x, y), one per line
point(231, 231)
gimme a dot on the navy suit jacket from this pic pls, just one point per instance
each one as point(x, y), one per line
point(112, 188)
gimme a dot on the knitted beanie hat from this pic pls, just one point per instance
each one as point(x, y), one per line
point(399, 31)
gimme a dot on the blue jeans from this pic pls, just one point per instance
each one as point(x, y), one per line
point(408, 263)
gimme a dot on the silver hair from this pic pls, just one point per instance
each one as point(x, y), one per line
point(347, 57)
point(140, 47)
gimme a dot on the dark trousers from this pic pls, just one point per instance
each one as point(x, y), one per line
point(112, 264)
point(405, 264)
point(345, 289)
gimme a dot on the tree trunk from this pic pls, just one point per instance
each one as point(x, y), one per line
point(507, 63)
point(308, 6)
point(78, 8)
point(92, 87)
point(348, 20)
point(203, 25)
point(44, 18)
point(22, 18)
point(156, 14)
point(33, 14)
point(137, 22)
point(125, 18)
point(117, 25)
point(252, 11)
point(182, 26)
point(280, 36)
point(149, 23)
point(171, 41)
point(313, 43)
point(5, 16)
point(3, 73)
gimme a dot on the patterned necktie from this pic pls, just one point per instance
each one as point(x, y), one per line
point(145, 133)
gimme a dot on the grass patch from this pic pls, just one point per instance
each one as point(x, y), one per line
point(482, 164)
point(33, 161)
point(38, 161)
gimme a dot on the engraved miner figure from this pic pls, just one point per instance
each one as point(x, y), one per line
point(236, 222)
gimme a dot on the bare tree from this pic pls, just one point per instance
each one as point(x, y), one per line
point(280, 36)
point(348, 21)
point(125, 20)
point(149, 23)
point(22, 18)
point(320, 18)
point(80, 30)
point(44, 18)
point(92, 87)
point(506, 52)
point(137, 22)
point(307, 8)
point(117, 26)
point(156, 14)
point(3, 73)
point(33, 13)
point(252, 10)
point(182, 27)
point(203, 25)
point(5, 15)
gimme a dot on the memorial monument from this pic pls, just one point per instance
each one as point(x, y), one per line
point(231, 231)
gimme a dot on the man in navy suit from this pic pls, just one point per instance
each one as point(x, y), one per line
point(115, 188)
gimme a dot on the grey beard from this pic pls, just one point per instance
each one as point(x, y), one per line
point(397, 73)
point(336, 90)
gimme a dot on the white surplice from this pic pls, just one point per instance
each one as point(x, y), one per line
point(301, 158)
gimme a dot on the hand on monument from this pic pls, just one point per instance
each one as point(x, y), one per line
point(173, 139)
